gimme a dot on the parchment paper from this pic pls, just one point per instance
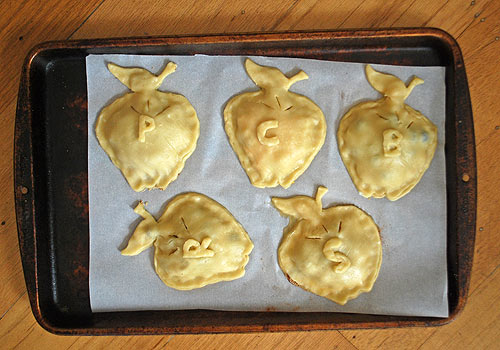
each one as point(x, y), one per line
point(413, 277)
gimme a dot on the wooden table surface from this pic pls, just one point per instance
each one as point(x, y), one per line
point(476, 26)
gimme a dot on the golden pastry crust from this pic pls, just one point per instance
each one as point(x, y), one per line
point(148, 134)
point(386, 145)
point(197, 242)
point(274, 132)
point(335, 252)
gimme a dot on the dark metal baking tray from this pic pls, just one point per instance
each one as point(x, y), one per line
point(50, 164)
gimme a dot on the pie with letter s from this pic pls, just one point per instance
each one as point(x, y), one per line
point(334, 252)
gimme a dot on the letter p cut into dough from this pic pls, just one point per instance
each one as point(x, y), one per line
point(147, 134)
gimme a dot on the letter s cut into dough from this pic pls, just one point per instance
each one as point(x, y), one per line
point(197, 242)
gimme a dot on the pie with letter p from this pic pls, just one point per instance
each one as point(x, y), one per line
point(148, 134)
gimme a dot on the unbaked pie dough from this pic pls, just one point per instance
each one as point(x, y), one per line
point(386, 145)
point(197, 242)
point(148, 134)
point(335, 252)
point(275, 133)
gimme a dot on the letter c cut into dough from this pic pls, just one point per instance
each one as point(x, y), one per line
point(274, 132)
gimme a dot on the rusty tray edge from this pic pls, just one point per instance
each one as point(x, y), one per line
point(24, 182)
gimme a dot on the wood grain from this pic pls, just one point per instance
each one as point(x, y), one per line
point(475, 24)
point(22, 26)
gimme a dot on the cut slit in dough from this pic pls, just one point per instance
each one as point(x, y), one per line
point(335, 252)
point(274, 132)
point(148, 134)
point(197, 242)
point(386, 145)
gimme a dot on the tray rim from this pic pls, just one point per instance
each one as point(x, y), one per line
point(26, 224)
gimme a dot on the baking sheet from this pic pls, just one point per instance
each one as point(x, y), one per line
point(413, 276)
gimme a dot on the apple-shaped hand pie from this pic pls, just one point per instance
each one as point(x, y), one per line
point(197, 242)
point(386, 145)
point(335, 252)
point(148, 134)
point(274, 132)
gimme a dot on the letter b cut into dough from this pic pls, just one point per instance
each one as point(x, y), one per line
point(386, 145)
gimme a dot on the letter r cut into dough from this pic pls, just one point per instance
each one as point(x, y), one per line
point(197, 242)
